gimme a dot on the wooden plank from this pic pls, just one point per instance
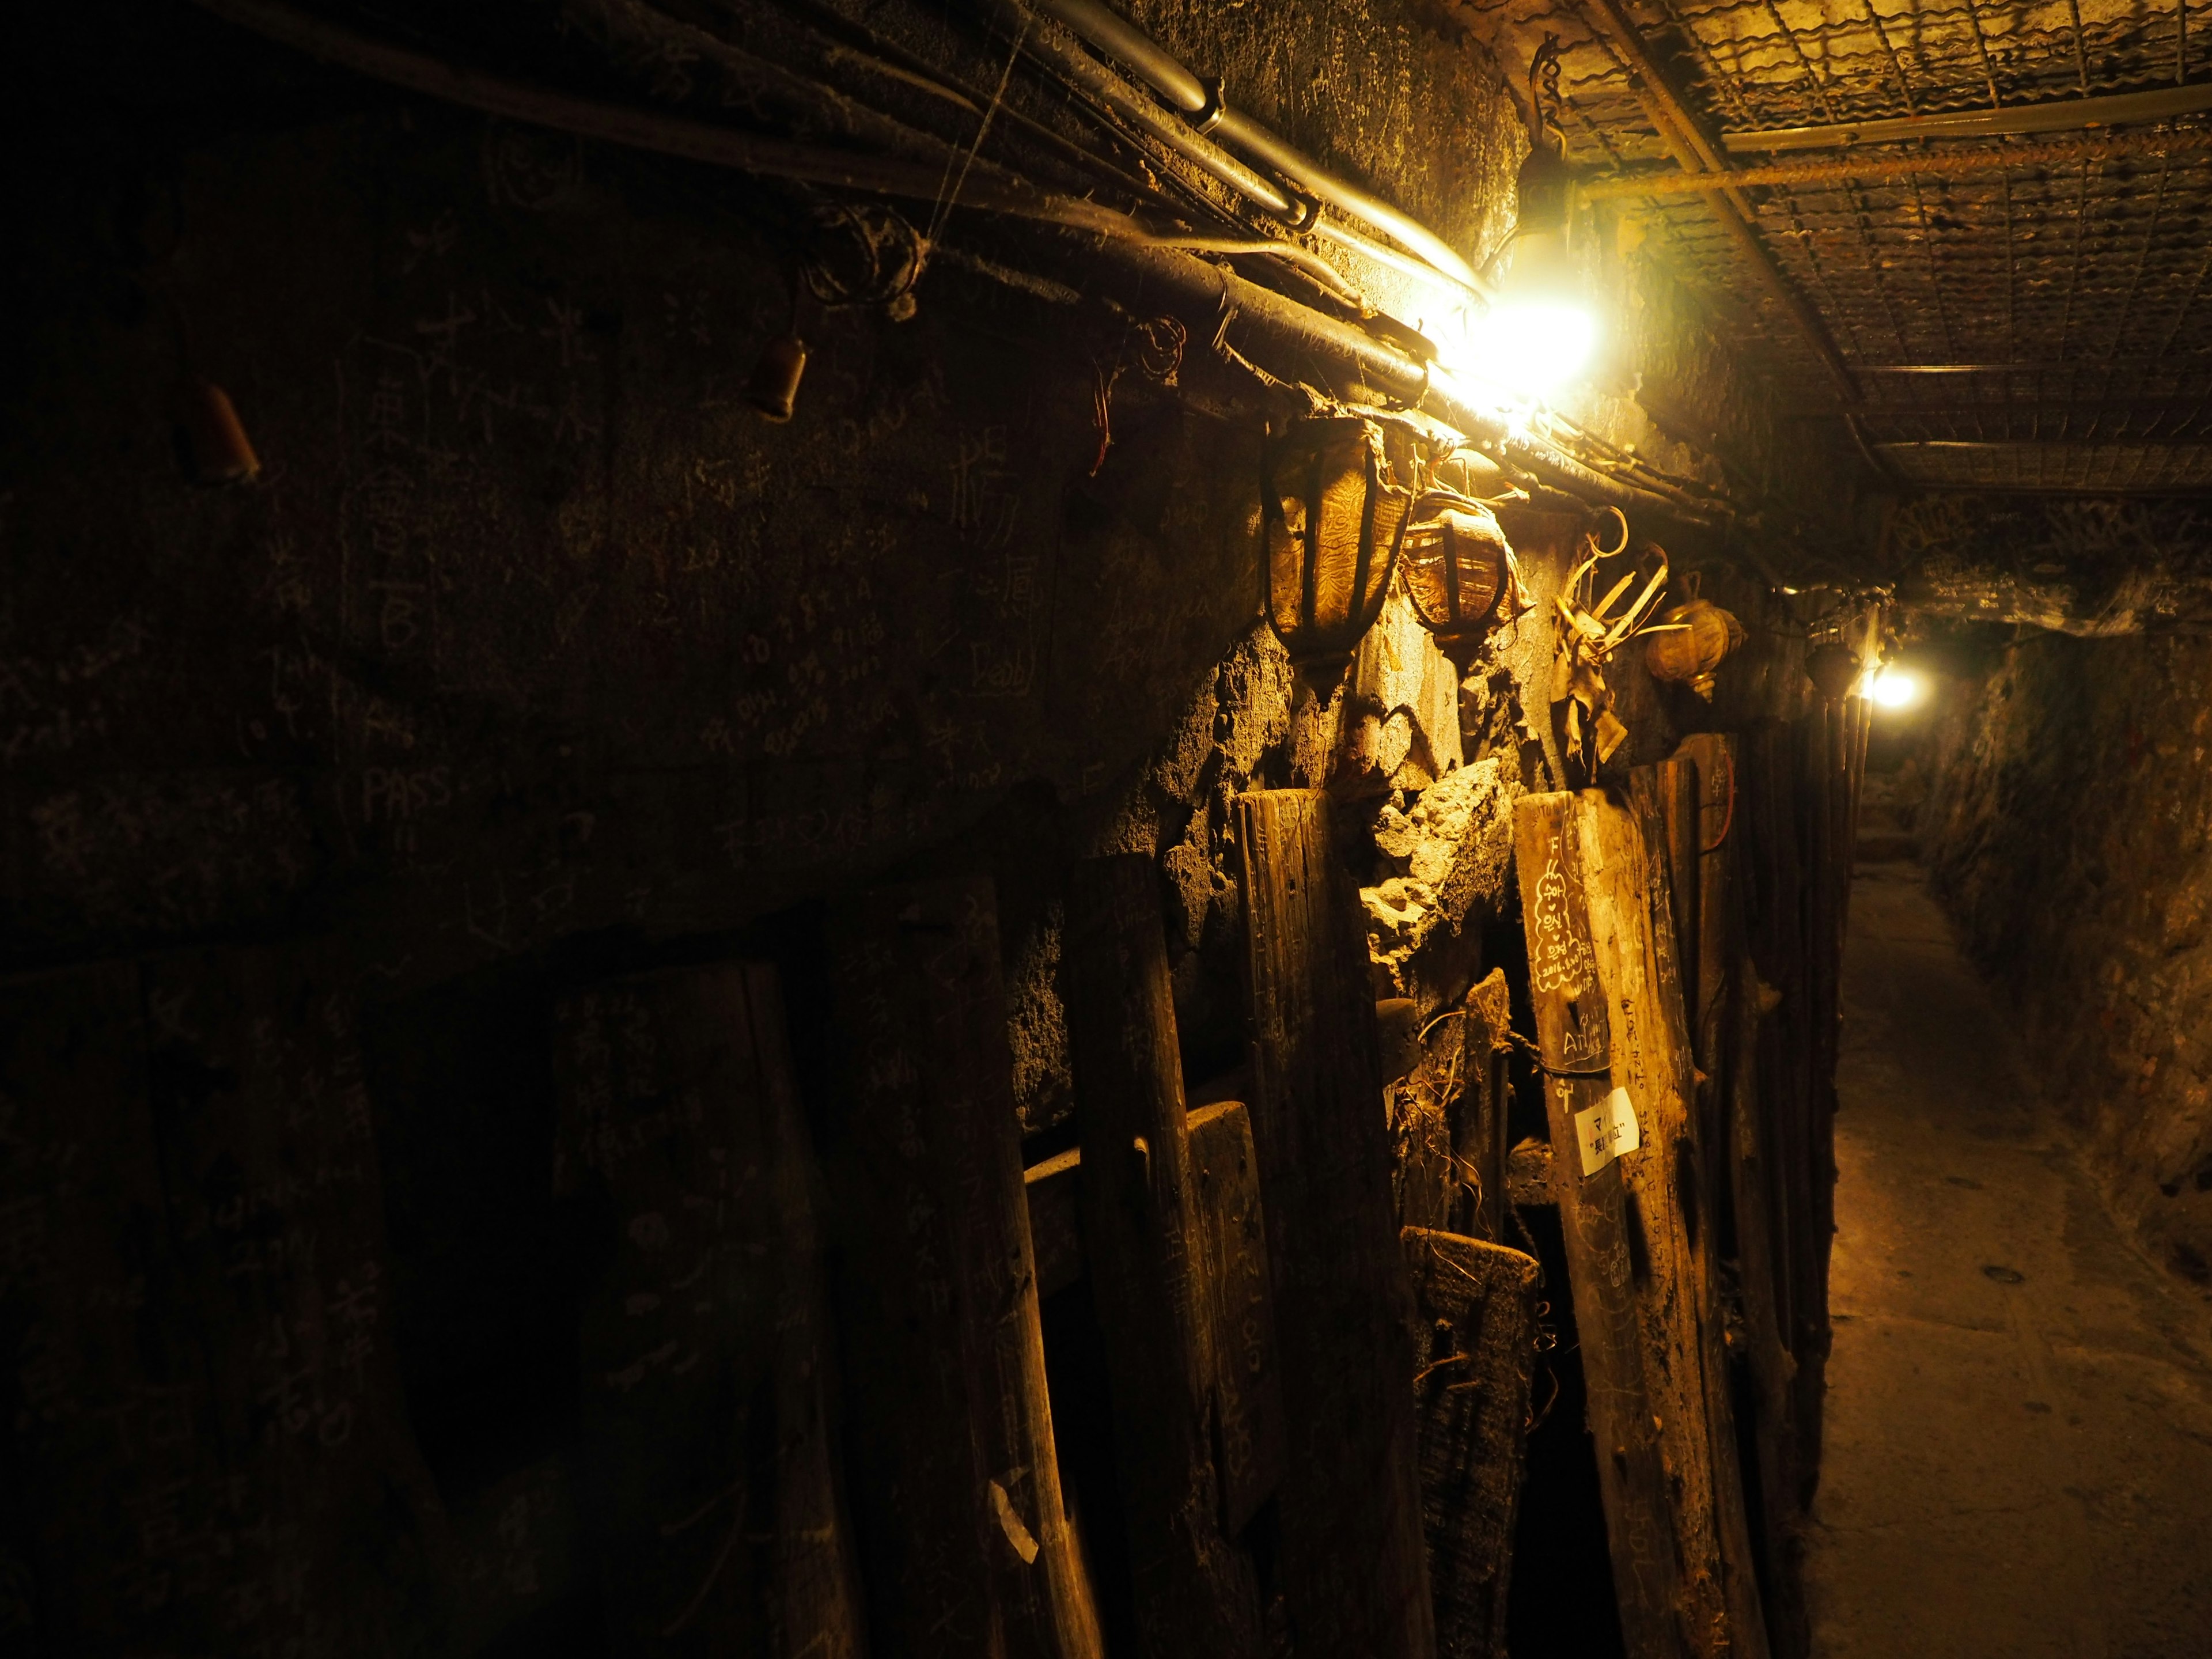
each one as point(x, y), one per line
point(1766, 1352)
point(1238, 1303)
point(1353, 1569)
point(1474, 1336)
point(1196, 1594)
point(1710, 817)
point(1672, 786)
point(1819, 779)
point(966, 1543)
point(1479, 1133)
point(1056, 1219)
point(1673, 1199)
point(816, 1608)
point(210, 1452)
point(704, 1338)
point(1574, 1039)
point(1775, 908)
point(1247, 1375)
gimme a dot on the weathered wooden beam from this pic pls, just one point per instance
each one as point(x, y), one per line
point(1354, 1574)
point(1479, 1129)
point(1575, 1043)
point(1818, 781)
point(1195, 1594)
point(1623, 876)
point(1708, 818)
point(967, 1545)
point(1682, 1296)
point(1240, 1302)
point(1474, 1336)
point(678, 1109)
point(1761, 1260)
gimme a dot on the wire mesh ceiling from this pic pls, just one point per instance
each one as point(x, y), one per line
point(2000, 311)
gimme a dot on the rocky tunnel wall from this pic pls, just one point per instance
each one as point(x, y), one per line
point(2066, 832)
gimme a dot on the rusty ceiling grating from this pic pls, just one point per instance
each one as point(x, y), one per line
point(2092, 272)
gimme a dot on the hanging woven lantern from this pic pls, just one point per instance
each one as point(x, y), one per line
point(1691, 641)
point(1332, 513)
point(1459, 572)
point(1833, 668)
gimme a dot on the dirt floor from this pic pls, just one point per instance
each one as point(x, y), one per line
point(2019, 1456)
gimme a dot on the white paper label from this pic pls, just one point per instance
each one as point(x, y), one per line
point(1607, 1130)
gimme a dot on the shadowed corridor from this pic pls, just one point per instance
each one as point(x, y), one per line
point(2019, 1451)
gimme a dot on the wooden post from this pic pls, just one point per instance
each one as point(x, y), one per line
point(1196, 1594)
point(678, 1106)
point(1819, 780)
point(1674, 787)
point(1474, 1335)
point(1683, 1316)
point(1760, 1262)
point(1775, 908)
point(1574, 1038)
point(1247, 1365)
point(1711, 815)
point(1354, 1575)
point(967, 1545)
point(1480, 1132)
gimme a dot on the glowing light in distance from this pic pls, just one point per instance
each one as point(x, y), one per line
point(1893, 688)
point(1531, 347)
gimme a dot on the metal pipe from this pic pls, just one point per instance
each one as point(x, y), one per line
point(1872, 169)
point(1046, 41)
point(1304, 344)
point(1110, 32)
point(2064, 115)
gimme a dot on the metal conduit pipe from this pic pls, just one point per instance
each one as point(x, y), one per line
point(1111, 32)
point(1049, 44)
point(1291, 342)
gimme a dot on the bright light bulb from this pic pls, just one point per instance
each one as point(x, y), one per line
point(1532, 347)
point(1893, 688)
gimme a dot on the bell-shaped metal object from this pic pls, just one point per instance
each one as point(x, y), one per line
point(773, 388)
point(1690, 643)
point(1459, 572)
point(1332, 513)
point(1833, 668)
point(214, 438)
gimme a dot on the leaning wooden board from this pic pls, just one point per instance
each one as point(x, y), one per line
point(1143, 1228)
point(704, 1335)
point(1353, 1563)
point(1678, 1206)
point(1239, 1305)
point(1474, 1335)
point(1575, 1043)
point(966, 1545)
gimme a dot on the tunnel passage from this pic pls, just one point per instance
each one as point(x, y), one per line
point(1066, 831)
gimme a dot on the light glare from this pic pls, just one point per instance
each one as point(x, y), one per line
point(1531, 347)
point(1893, 688)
